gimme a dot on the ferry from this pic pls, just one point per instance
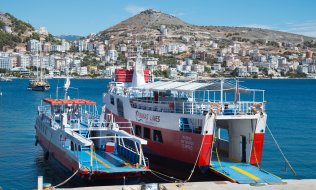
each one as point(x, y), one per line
point(214, 125)
point(72, 132)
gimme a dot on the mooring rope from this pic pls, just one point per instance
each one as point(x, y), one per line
point(197, 158)
point(64, 182)
point(285, 159)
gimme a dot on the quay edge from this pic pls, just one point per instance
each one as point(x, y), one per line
point(290, 184)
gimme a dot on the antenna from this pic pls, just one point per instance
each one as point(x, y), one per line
point(57, 89)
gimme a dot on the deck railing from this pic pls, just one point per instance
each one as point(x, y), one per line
point(197, 108)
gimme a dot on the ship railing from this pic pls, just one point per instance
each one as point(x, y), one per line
point(95, 124)
point(196, 107)
point(44, 110)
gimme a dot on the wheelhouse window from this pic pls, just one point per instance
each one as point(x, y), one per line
point(157, 136)
point(138, 130)
point(146, 133)
point(112, 99)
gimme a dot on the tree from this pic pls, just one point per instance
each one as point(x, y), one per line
point(207, 69)
point(234, 73)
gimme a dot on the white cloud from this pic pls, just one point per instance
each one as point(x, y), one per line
point(133, 9)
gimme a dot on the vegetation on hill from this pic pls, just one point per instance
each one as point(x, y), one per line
point(18, 25)
point(7, 39)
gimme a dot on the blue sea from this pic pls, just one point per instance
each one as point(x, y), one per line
point(291, 108)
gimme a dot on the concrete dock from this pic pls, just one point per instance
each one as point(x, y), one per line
point(306, 184)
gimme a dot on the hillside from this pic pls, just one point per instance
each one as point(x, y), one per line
point(15, 32)
point(149, 21)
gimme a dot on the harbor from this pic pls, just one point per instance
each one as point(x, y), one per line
point(271, 160)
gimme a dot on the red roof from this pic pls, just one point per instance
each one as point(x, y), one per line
point(65, 101)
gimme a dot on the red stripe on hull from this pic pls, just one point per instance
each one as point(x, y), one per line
point(256, 153)
point(177, 145)
point(205, 155)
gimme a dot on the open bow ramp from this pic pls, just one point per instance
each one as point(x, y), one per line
point(243, 173)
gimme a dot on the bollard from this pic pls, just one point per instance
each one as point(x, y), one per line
point(40, 183)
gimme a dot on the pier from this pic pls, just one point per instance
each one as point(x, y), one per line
point(306, 184)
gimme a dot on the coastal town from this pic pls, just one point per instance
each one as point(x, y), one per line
point(167, 51)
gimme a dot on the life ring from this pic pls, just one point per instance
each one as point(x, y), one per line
point(257, 107)
point(218, 108)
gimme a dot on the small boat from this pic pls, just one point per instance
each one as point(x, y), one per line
point(38, 85)
point(71, 132)
point(6, 79)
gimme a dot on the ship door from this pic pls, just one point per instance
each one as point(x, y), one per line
point(243, 148)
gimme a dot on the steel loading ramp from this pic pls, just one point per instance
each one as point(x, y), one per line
point(243, 173)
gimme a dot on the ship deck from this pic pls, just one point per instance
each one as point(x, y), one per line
point(106, 162)
point(243, 173)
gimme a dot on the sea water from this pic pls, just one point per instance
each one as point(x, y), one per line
point(291, 109)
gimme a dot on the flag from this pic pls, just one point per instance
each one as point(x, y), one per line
point(67, 83)
point(236, 92)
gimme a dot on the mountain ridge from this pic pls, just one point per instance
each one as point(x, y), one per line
point(150, 20)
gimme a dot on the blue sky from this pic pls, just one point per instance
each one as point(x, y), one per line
point(81, 17)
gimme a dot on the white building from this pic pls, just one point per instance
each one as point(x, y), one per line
point(123, 47)
point(99, 49)
point(216, 67)
point(113, 55)
point(150, 62)
point(82, 71)
point(46, 47)
point(35, 61)
point(303, 68)
point(56, 48)
point(82, 45)
point(42, 31)
point(65, 46)
point(198, 68)
point(5, 63)
point(7, 29)
point(190, 75)
point(214, 45)
point(23, 61)
point(34, 46)
point(172, 73)
point(312, 68)
point(253, 69)
point(242, 71)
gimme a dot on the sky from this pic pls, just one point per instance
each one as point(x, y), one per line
point(82, 17)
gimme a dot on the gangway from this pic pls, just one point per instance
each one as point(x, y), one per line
point(243, 173)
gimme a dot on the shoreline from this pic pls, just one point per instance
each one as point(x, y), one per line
point(199, 78)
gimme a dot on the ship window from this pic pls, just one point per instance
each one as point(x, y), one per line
point(138, 130)
point(146, 133)
point(72, 145)
point(112, 100)
point(157, 136)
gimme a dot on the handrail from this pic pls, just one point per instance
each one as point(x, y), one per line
point(195, 107)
